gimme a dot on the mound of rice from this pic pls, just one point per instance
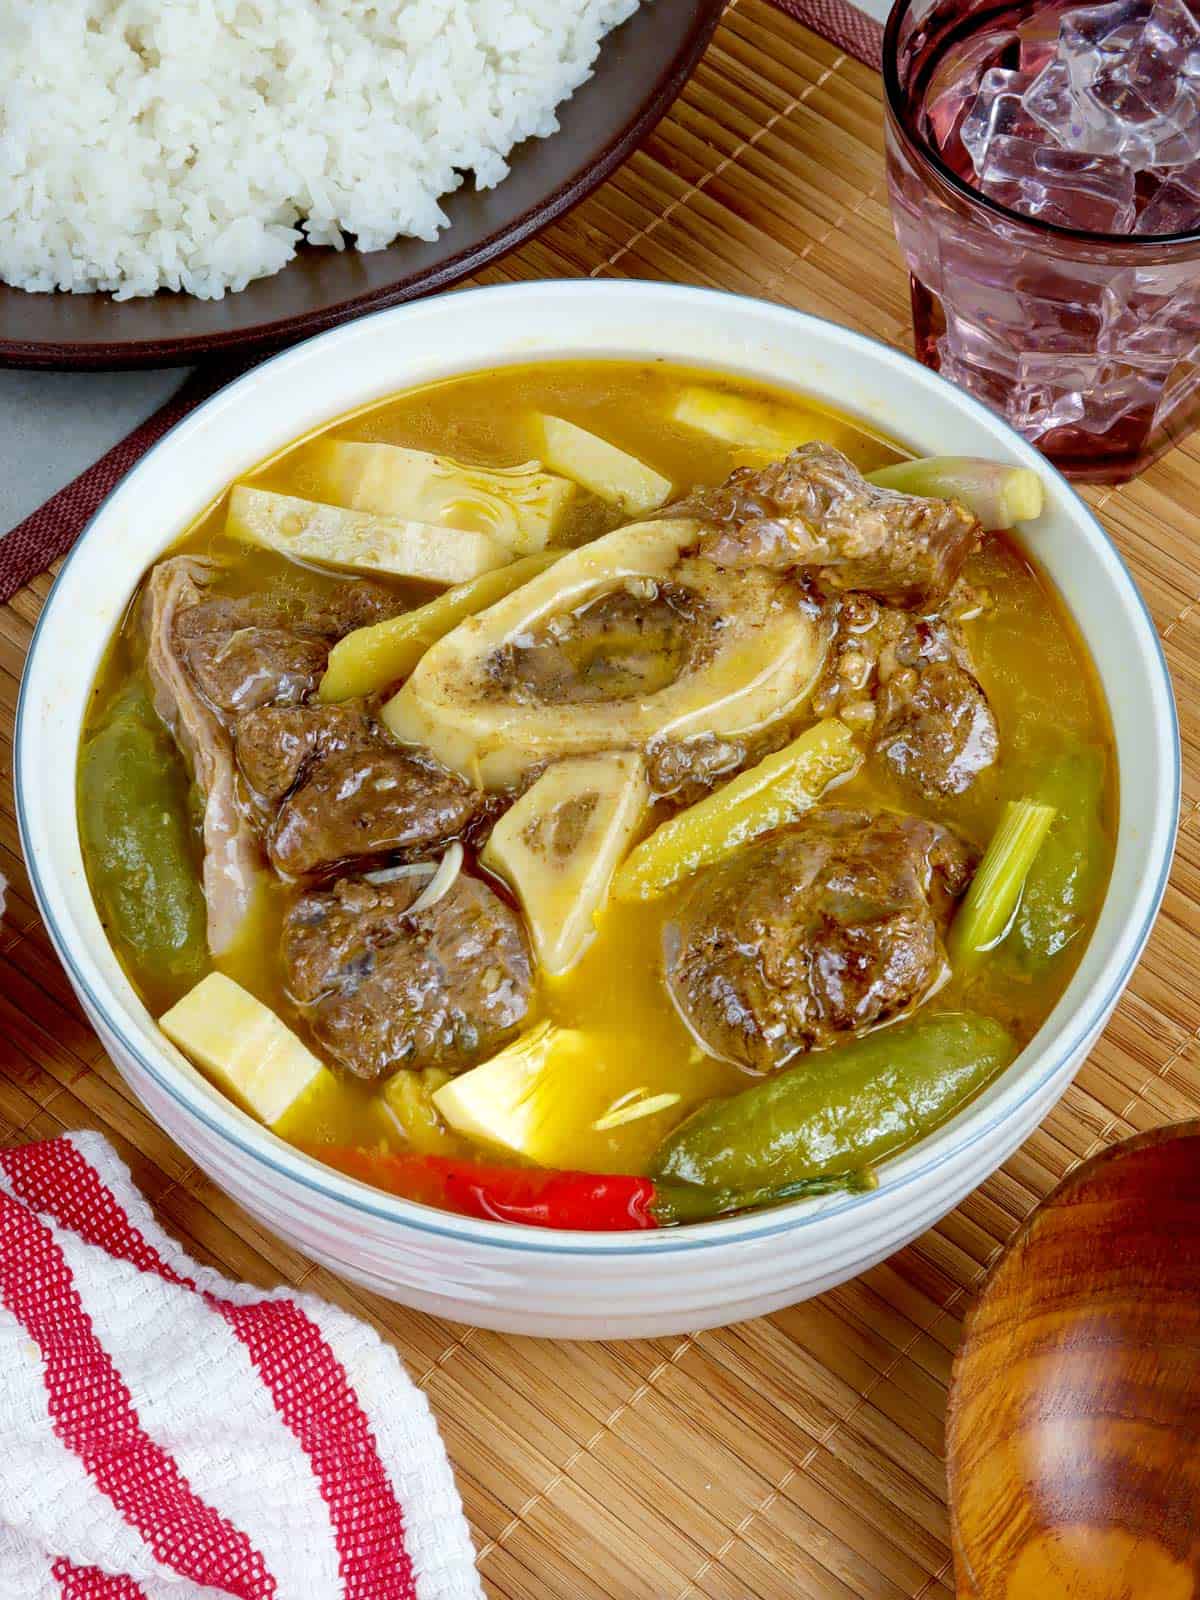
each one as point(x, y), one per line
point(188, 144)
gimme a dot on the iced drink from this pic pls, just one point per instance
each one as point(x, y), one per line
point(1044, 163)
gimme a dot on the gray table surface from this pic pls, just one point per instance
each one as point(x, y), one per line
point(54, 424)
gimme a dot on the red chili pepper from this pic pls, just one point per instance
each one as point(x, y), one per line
point(543, 1198)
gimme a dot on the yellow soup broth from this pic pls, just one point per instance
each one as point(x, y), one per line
point(1027, 654)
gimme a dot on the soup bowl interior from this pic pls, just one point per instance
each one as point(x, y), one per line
point(518, 1278)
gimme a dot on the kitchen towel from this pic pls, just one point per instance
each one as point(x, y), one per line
point(168, 1435)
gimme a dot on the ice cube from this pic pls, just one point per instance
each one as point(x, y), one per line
point(1175, 208)
point(954, 83)
point(1188, 177)
point(1043, 397)
point(1154, 66)
point(998, 111)
point(1172, 35)
point(1176, 139)
point(1152, 137)
point(1128, 93)
point(1092, 39)
point(1067, 187)
point(1065, 112)
point(1094, 29)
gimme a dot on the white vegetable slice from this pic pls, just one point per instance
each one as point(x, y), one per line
point(612, 473)
point(243, 1046)
point(635, 1107)
point(516, 1100)
point(522, 505)
point(754, 663)
point(413, 869)
point(754, 424)
point(442, 881)
point(558, 847)
point(361, 541)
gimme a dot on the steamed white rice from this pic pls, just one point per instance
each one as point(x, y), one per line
point(190, 144)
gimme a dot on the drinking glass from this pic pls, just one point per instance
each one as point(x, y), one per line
point(1088, 343)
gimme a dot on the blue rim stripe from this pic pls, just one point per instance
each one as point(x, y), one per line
point(546, 1242)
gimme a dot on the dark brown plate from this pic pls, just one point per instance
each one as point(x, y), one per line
point(641, 69)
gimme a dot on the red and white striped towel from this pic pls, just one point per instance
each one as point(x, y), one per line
point(168, 1435)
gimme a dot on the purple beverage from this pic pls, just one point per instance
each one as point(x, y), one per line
point(1044, 164)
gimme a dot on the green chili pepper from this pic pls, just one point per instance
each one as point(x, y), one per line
point(140, 851)
point(1068, 876)
point(839, 1110)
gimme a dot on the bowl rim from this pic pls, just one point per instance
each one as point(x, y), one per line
point(261, 1146)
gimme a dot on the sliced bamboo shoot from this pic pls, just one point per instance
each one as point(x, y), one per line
point(523, 506)
point(517, 1099)
point(408, 1099)
point(613, 474)
point(244, 1047)
point(360, 541)
point(558, 847)
point(754, 424)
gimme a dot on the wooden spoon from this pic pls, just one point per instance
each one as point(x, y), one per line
point(1073, 1437)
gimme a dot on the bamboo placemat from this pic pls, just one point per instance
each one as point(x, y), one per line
point(800, 1455)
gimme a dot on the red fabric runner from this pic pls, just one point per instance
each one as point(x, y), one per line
point(51, 530)
point(842, 24)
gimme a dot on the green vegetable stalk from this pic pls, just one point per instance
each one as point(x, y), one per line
point(839, 1111)
point(140, 853)
point(999, 495)
point(774, 792)
point(984, 916)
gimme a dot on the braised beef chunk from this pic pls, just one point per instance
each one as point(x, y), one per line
point(688, 770)
point(384, 990)
point(908, 683)
point(241, 665)
point(815, 511)
point(693, 767)
point(936, 729)
point(815, 934)
point(247, 651)
point(374, 801)
point(278, 745)
point(340, 789)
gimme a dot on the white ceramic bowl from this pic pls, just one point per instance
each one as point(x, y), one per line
point(520, 1279)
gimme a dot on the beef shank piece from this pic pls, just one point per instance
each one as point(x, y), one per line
point(383, 989)
point(625, 644)
point(815, 511)
point(277, 746)
point(252, 650)
point(339, 789)
point(908, 683)
point(380, 801)
point(815, 934)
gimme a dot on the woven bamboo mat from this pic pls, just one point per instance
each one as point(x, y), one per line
point(800, 1455)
